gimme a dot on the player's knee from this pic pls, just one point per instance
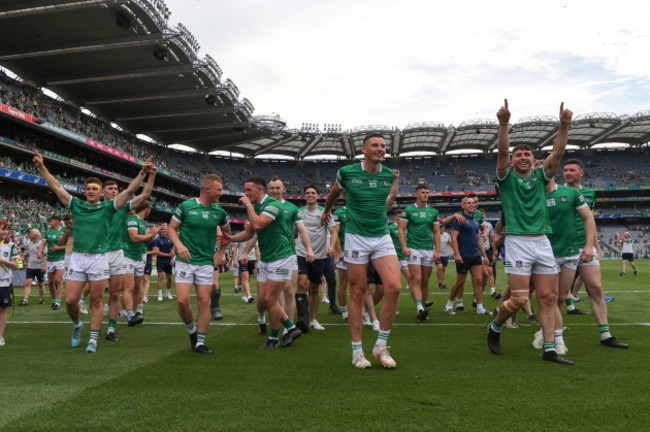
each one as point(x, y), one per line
point(513, 304)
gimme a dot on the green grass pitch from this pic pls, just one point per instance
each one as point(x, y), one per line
point(446, 379)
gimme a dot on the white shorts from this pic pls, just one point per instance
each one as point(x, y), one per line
point(277, 271)
point(116, 265)
point(593, 262)
point(295, 263)
point(340, 264)
point(529, 255)
point(421, 257)
point(136, 268)
point(53, 266)
point(404, 265)
point(234, 270)
point(85, 267)
point(194, 274)
point(570, 262)
point(360, 250)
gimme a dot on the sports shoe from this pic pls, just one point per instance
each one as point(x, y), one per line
point(145, 299)
point(203, 349)
point(360, 362)
point(290, 337)
point(251, 299)
point(422, 315)
point(510, 323)
point(111, 337)
point(439, 285)
point(366, 319)
point(302, 326)
point(23, 302)
point(76, 336)
point(41, 301)
point(244, 299)
point(238, 289)
point(493, 340)
point(325, 300)
point(495, 295)
point(576, 311)
point(56, 306)
point(612, 342)
point(123, 314)
point(483, 312)
point(262, 330)
point(316, 325)
point(553, 356)
point(474, 303)
point(334, 310)
point(428, 304)
point(344, 316)
point(608, 299)
point(135, 320)
point(636, 272)
point(91, 348)
point(2, 341)
point(460, 308)
point(193, 338)
point(538, 340)
point(83, 308)
point(382, 354)
point(216, 313)
point(169, 295)
point(106, 308)
point(622, 273)
point(450, 311)
point(532, 319)
point(560, 348)
point(270, 344)
point(444, 287)
point(407, 287)
point(575, 298)
point(375, 325)
point(160, 297)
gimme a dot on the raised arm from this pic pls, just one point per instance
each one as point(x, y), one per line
point(503, 141)
point(123, 197)
point(553, 160)
point(51, 181)
point(390, 200)
point(146, 191)
point(140, 238)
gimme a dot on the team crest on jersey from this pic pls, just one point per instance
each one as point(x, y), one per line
point(386, 183)
point(5, 254)
point(372, 183)
point(183, 274)
point(519, 264)
point(564, 199)
point(355, 254)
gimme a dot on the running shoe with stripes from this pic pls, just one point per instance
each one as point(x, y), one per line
point(382, 354)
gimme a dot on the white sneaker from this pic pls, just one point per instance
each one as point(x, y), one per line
point(123, 314)
point(359, 361)
point(83, 308)
point(244, 299)
point(106, 308)
point(160, 297)
point(316, 325)
point(145, 299)
point(169, 295)
point(407, 287)
point(384, 357)
point(375, 325)
point(450, 311)
point(538, 342)
point(344, 316)
point(560, 348)
point(2, 343)
point(366, 319)
point(483, 312)
point(325, 300)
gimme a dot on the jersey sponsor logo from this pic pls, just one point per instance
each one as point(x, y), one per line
point(194, 212)
point(357, 181)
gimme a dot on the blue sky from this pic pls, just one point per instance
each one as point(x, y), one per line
point(359, 62)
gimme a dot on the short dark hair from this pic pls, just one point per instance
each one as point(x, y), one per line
point(471, 195)
point(257, 181)
point(482, 210)
point(421, 186)
point(372, 135)
point(142, 206)
point(67, 217)
point(55, 217)
point(574, 162)
point(276, 178)
point(523, 147)
point(398, 210)
point(110, 183)
point(311, 186)
point(93, 180)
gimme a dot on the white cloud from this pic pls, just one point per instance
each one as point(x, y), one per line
point(383, 62)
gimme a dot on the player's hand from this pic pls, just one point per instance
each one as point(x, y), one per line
point(329, 252)
point(587, 255)
point(310, 257)
point(245, 201)
point(184, 253)
point(244, 260)
point(460, 219)
point(396, 171)
point(155, 230)
point(436, 257)
point(224, 240)
point(458, 259)
point(486, 261)
point(325, 218)
point(565, 116)
point(38, 160)
point(406, 252)
point(504, 113)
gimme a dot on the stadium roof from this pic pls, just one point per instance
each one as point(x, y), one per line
point(121, 60)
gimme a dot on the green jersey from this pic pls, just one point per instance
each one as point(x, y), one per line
point(524, 203)
point(135, 251)
point(590, 199)
point(52, 238)
point(91, 225)
point(117, 235)
point(291, 217)
point(366, 195)
point(420, 226)
point(275, 240)
point(563, 204)
point(340, 217)
point(393, 230)
point(198, 230)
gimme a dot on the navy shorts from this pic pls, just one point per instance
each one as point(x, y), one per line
point(248, 267)
point(147, 267)
point(37, 274)
point(372, 275)
point(443, 260)
point(468, 262)
point(164, 268)
point(628, 256)
point(314, 270)
point(5, 296)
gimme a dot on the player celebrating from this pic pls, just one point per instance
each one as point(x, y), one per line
point(370, 191)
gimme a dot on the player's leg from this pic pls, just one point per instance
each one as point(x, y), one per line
point(424, 285)
point(388, 268)
point(415, 270)
point(477, 272)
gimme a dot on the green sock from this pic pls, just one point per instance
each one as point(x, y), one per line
point(190, 327)
point(603, 329)
point(200, 338)
point(94, 334)
point(548, 346)
point(419, 304)
point(568, 302)
point(382, 338)
point(288, 323)
point(111, 325)
point(56, 300)
point(496, 326)
point(274, 334)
